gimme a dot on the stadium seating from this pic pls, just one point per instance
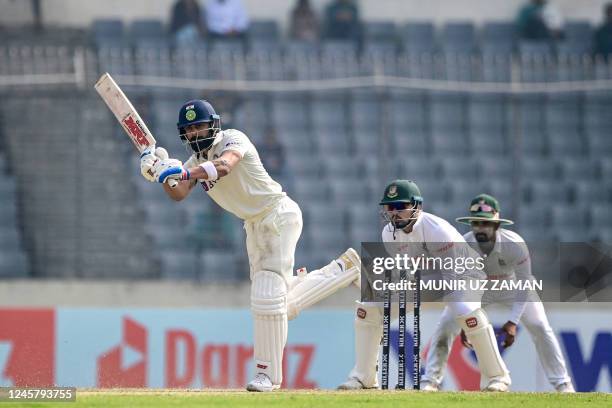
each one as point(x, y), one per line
point(546, 156)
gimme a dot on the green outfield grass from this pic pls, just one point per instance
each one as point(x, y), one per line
point(294, 399)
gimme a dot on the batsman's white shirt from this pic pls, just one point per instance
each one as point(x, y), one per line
point(248, 191)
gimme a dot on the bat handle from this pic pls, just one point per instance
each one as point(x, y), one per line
point(172, 183)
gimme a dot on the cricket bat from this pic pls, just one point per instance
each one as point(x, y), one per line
point(126, 114)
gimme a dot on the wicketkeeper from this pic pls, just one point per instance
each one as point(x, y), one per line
point(408, 223)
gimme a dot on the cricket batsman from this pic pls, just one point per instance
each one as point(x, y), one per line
point(227, 166)
point(506, 257)
point(408, 223)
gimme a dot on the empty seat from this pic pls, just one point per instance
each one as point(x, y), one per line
point(107, 31)
point(408, 142)
point(579, 170)
point(459, 167)
point(328, 112)
point(379, 31)
point(458, 37)
point(289, 113)
point(578, 216)
point(562, 112)
point(408, 112)
point(496, 169)
point(538, 169)
point(340, 166)
point(179, 265)
point(217, 266)
point(365, 111)
point(418, 37)
point(312, 189)
point(577, 31)
point(448, 112)
point(263, 30)
point(367, 143)
point(600, 144)
point(539, 191)
point(330, 142)
point(587, 192)
point(534, 217)
point(601, 215)
point(487, 112)
point(147, 31)
point(449, 143)
point(566, 143)
point(348, 191)
point(498, 34)
point(487, 143)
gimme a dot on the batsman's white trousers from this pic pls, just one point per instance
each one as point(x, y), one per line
point(535, 321)
point(271, 241)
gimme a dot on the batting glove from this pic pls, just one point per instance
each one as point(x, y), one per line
point(148, 158)
point(167, 169)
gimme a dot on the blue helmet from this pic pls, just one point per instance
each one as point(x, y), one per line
point(195, 112)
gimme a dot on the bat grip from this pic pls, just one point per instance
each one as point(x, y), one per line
point(172, 183)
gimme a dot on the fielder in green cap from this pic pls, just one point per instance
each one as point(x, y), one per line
point(506, 258)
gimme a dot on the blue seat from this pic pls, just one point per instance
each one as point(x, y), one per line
point(592, 191)
point(14, 264)
point(601, 216)
point(498, 34)
point(380, 31)
point(408, 112)
point(576, 169)
point(418, 37)
point(264, 29)
point(535, 168)
point(218, 266)
point(449, 143)
point(179, 265)
point(577, 31)
point(328, 112)
point(566, 143)
point(408, 141)
point(342, 166)
point(605, 169)
point(448, 112)
point(562, 112)
point(459, 167)
point(498, 170)
point(487, 113)
point(600, 143)
point(364, 110)
point(290, 113)
point(148, 31)
point(540, 191)
point(107, 31)
point(488, 143)
point(458, 37)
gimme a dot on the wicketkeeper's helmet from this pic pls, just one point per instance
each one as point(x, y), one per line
point(401, 195)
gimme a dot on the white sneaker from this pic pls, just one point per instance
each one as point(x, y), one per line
point(496, 386)
point(261, 383)
point(350, 259)
point(353, 384)
point(429, 386)
point(566, 387)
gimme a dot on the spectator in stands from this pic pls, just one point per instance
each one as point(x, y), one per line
point(226, 19)
point(603, 35)
point(273, 154)
point(540, 20)
point(342, 21)
point(187, 23)
point(304, 22)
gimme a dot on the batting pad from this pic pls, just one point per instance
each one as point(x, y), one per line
point(269, 307)
point(321, 283)
point(479, 333)
point(368, 333)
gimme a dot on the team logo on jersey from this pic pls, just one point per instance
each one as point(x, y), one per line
point(190, 114)
point(392, 193)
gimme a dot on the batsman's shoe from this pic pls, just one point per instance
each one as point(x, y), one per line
point(567, 387)
point(429, 386)
point(497, 386)
point(261, 383)
point(353, 383)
